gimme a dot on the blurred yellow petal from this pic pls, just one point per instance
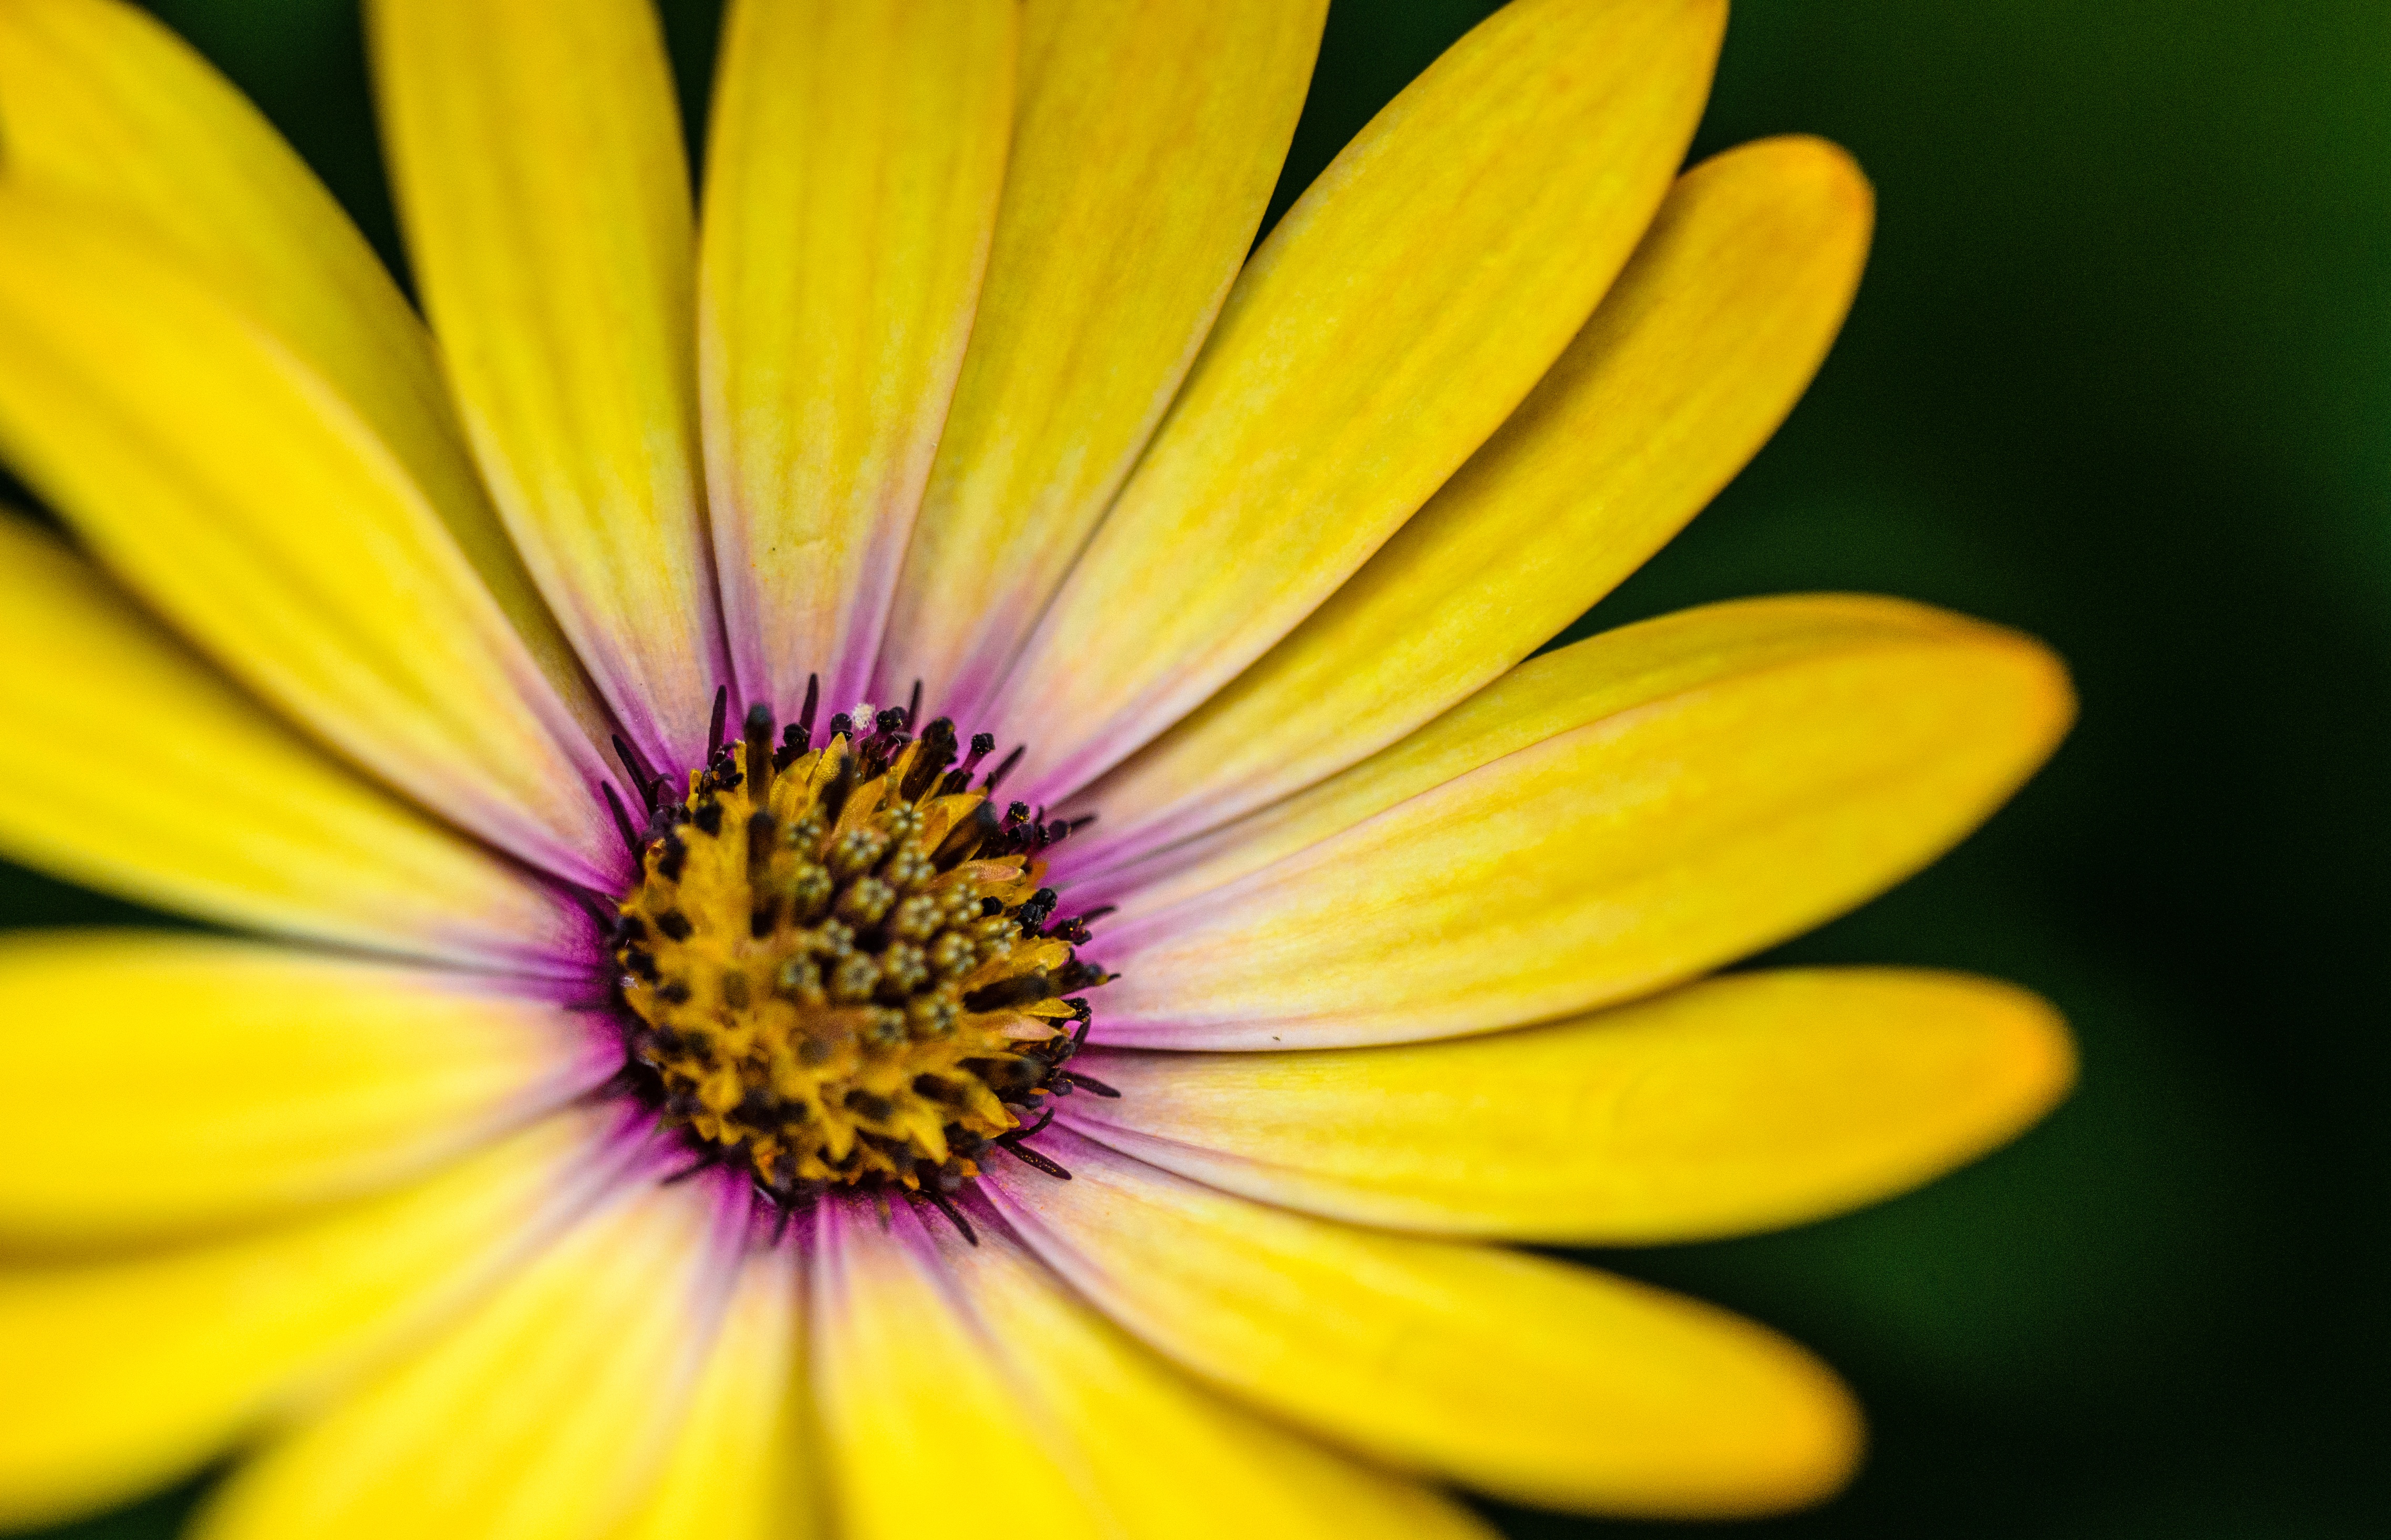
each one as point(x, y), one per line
point(1386, 328)
point(1527, 1379)
point(852, 173)
point(923, 1432)
point(739, 1469)
point(1166, 1459)
point(118, 1375)
point(1744, 1103)
point(158, 1085)
point(134, 768)
point(960, 1382)
point(1692, 360)
point(1148, 139)
point(536, 158)
point(99, 101)
point(1733, 776)
point(234, 490)
point(544, 1412)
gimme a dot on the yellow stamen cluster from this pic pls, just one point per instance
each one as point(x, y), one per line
point(831, 977)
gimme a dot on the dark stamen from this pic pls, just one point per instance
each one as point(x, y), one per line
point(721, 720)
point(634, 762)
point(757, 737)
point(1029, 1157)
point(1091, 1084)
point(946, 1206)
point(1019, 990)
point(995, 776)
point(841, 787)
point(591, 905)
point(622, 819)
point(711, 1158)
point(762, 828)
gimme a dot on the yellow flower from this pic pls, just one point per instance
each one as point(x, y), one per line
point(963, 378)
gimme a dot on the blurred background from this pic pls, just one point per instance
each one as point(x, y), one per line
point(2121, 376)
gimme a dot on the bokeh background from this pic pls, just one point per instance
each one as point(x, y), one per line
point(2120, 376)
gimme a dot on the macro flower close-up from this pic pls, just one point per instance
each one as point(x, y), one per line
point(884, 841)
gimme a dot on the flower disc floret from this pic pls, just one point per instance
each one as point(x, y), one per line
point(837, 962)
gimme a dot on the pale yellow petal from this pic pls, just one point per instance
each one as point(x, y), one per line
point(922, 1433)
point(161, 1084)
point(1742, 1103)
point(1691, 361)
point(1148, 139)
point(130, 766)
point(852, 173)
point(100, 101)
point(118, 1375)
point(546, 1412)
point(960, 1382)
point(1724, 800)
point(1527, 1379)
point(740, 1465)
point(1604, 676)
point(1386, 328)
point(232, 488)
point(535, 155)
point(1164, 1460)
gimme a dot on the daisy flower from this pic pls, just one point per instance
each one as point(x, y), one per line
point(886, 850)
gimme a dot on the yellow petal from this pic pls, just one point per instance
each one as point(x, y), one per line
point(117, 1375)
point(1163, 1457)
point(1394, 318)
point(536, 158)
point(1527, 1379)
point(158, 1085)
point(99, 101)
point(546, 1412)
point(238, 494)
point(959, 1380)
point(922, 1433)
point(1148, 140)
point(1732, 777)
point(738, 1470)
point(852, 174)
point(1744, 1103)
point(133, 767)
point(1606, 675)
point(1691, 361)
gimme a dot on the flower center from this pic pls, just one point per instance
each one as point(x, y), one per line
point(838, 963)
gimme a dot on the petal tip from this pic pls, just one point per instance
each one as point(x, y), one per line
point(1819, 1451)
point(2030, 1053)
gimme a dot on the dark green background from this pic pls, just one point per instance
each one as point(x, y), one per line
point(2121, 376)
